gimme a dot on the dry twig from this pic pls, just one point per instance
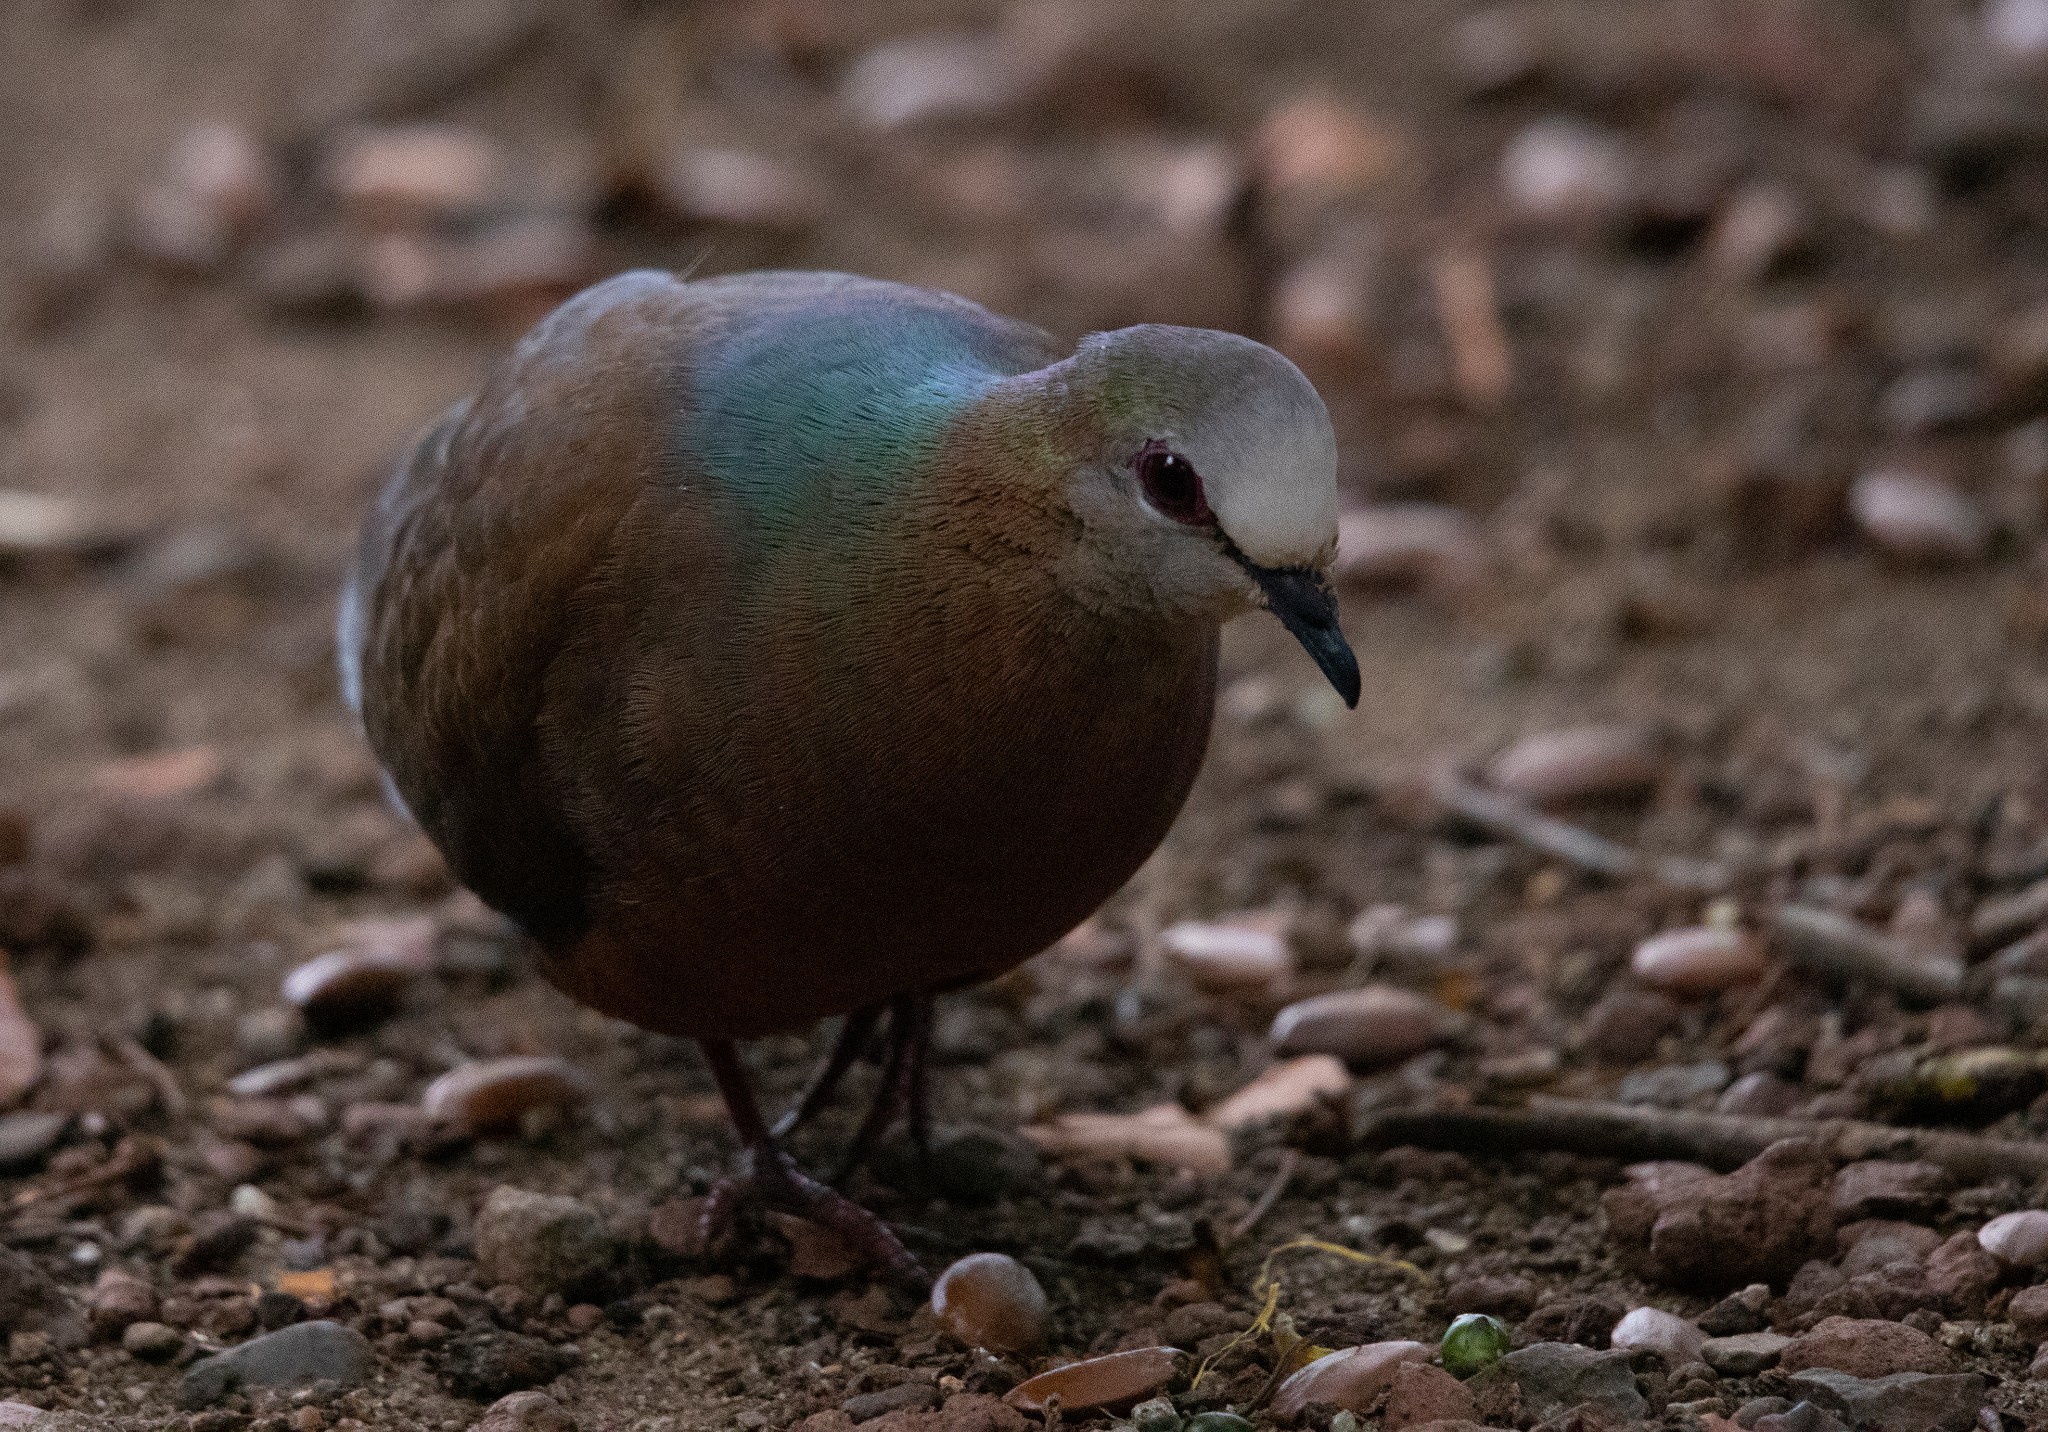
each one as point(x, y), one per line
point(1520, 822)
point(1840, 948)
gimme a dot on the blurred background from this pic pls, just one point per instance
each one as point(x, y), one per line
point(1690, 364)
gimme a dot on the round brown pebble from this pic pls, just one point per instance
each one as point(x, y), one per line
point(1700, 960)
point(991, 1300)
point(1113, 1381)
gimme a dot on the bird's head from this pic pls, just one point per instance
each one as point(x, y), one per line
point(1206, 484)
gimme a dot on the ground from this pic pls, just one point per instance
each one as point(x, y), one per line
point(1644, 292)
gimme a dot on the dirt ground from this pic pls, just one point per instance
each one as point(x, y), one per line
point(1723, 324)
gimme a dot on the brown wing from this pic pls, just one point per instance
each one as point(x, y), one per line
point(464, 584)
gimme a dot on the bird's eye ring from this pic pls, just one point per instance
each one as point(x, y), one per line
point(1172, 486)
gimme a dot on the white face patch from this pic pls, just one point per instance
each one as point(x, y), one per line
point(1270, 472)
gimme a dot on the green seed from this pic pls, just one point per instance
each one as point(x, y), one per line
point(1474, 1341)
point(1217, 1422)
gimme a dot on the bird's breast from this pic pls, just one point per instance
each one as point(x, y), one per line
point(881, 793)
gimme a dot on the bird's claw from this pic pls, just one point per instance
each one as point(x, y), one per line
point(771, 1180)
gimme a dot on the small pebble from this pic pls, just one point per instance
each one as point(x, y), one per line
point(1321, 316)
point(2018, 28)
point(1423, 545)
point(119, 1300)
point(992, 1301)
point(151, 1342)
point(1865, 1347)
point(1290, 1087)
point(1375, 1025)
point(544, 1243)
point(1916, 517)
point(2019, 1240)
point(1472, 1342)
point(27, 1137)
point(1246, 953)
point(1312, 146)
point(1120, 1377)
point(1216, 1422)
point(1744, 1354)
point(495, 1093)
point(1352, 1378)
point(1581, 763)
point(929, 78)
point(413, 174)
point(1157, 1415)
point(1669, 1336)
point(364, 979)
point(1758, 230)
point(1701, 960)
point(739, 187)
point(1560, 170)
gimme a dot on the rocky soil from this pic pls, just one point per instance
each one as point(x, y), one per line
point(1655, 964)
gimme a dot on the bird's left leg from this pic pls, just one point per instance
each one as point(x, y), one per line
point(902, 1090)
point(770, 1178)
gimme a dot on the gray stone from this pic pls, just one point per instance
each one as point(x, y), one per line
point(540, 1242)
point(151, 1342)
point(296, 1356)
point(1745, 1354)
point(1555, 1377)
point(1744, 1311)
point(27, 1136)
point(1903, 1402)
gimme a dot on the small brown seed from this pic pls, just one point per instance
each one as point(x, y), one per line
point(1112, 1381)
point(1233, 955)
point(1379, 1024)
point(991, 1300)
point(364, 979)
point(1698, 961)
point(1581, 763)
point(495, 1093)
point(1351, 1379)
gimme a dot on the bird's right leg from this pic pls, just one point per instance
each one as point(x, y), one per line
point(771, 1180)
point(853, 1038)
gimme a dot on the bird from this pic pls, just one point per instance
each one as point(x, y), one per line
point(778, 646)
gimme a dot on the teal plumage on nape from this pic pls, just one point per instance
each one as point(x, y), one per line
point(790, 645)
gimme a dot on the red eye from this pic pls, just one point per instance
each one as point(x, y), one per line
point(1173, 486)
